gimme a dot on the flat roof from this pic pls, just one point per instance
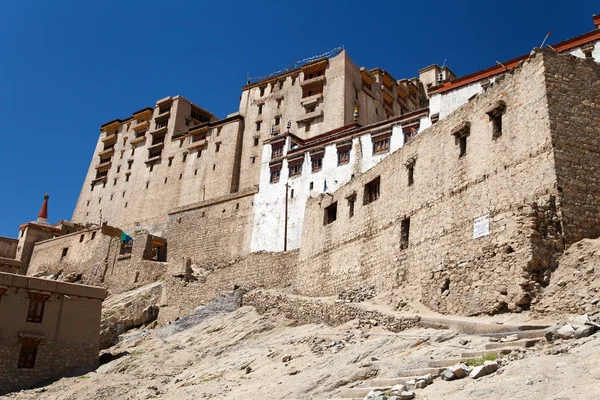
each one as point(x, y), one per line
point(46, 285)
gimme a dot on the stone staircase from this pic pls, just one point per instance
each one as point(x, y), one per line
point(527, 336)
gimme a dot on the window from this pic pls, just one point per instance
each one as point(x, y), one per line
point(147, 184)
point(129, 164)
point(195, 172)
point(93, 236)
point(260, 107)
point(253, 159)
point(410, 170)
point(28, 352)
point(214, 166)
point(133, 151)
point(258, 125)
point(463, 146)
point(256, 141)
point(330, 214)
point(219, 131)
point(198, 153)
point(118, 169)
point(64, 252)
point(126, 247)
point(88, 203)
point(295, 169)
point(292, 194)
point(166, 180)
point(495, 115)
point(316, 164)
point(262, 90)
point(278, 103)
point(351, 200)
point(36, 307)
point(307, 127)
point(81, 238)
point(170, 161)
point(162, 123)
point(127, 177)
point(381, 144)
point(217, 147)
point(184, 157)
point(101, 174)
point(311, 186)
point(404, 232)
point(164, 109)
point(277, 151)
point(115, 182)
point(280, 84)
point(275, 173)
point(461, 133)
point(343, 155)
point(371, 192)
point(277, 120)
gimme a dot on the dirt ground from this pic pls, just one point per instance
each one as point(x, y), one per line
point(238, 355)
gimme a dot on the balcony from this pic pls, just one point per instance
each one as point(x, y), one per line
point(311, 100)
point(310, 116)
point(107, 153)
point(104, 166)
point(313, 81)
point(137, 140)
point(156, 146)
point(110, 139)
point(141, 126)
point(159, 130)
point(198, 144)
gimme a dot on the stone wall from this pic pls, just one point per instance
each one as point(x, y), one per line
point(214, 231)
point(442, 264)
point(96, 257)
point(8, 247)
point(257, 270)
point(574, 105)
point(305, 311)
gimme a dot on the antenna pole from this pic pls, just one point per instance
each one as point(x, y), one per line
point(544, 41)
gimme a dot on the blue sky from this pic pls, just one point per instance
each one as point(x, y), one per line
point(67, 67)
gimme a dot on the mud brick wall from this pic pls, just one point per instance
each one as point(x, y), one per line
point(574, 105)
point(443, 265)
point(257, 270)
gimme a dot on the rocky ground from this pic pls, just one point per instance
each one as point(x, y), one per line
point(227, 352)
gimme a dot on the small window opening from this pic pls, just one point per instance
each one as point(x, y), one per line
point(237, 206)
point(311, 186)
point(256, 141)
point(330, 214)
point(371, 191)
point(81, 238)
point(410, 169)
point(64, 252)
point(351, 201)
point(166, 180)
point(404, 233)
point(170, 161)
point(258, 123)
point(275, 174)
point(292, 194)
point(184, 157)
point(217, 147)
point(260, 108)
point(93, 236)
point(147, 184)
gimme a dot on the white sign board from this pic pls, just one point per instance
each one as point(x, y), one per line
point(481, 226)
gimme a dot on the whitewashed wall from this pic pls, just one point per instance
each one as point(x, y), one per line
point(269, 202)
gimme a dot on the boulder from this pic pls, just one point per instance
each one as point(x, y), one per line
point(447, 375)
point(565, 332)
point(460, 370)
point(490, 366)
point(286, 358)
point(584, 331)
point(397, 389)
point(478, 372)
point(406, 396)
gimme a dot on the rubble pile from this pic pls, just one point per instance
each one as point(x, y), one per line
point(357, 295)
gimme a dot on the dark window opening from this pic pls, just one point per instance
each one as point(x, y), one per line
point(64, 252)
point(217, 147)
point(371, 192)
point(330, 214)
point(295, 170)
point(404, 232)
point(28, 353)
point(463, 145)
point(81, 238)
point(277, 120)
point(343, 156)
point(256, 141)
point(275, 174)
point(292, 194)
point(93, 236)
point(253, 159)
point(381, 145)
point(351, 201)
point(260, 108)
point(36, 307)
point(258, 123)
point(170, 161)
point(126, 247)
point(316, 164)
point(184, 157)
point(277, 151)
point(411, 173)
point(262, 91)
point(147, 184)
point(496, 125)
point(311, 186)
